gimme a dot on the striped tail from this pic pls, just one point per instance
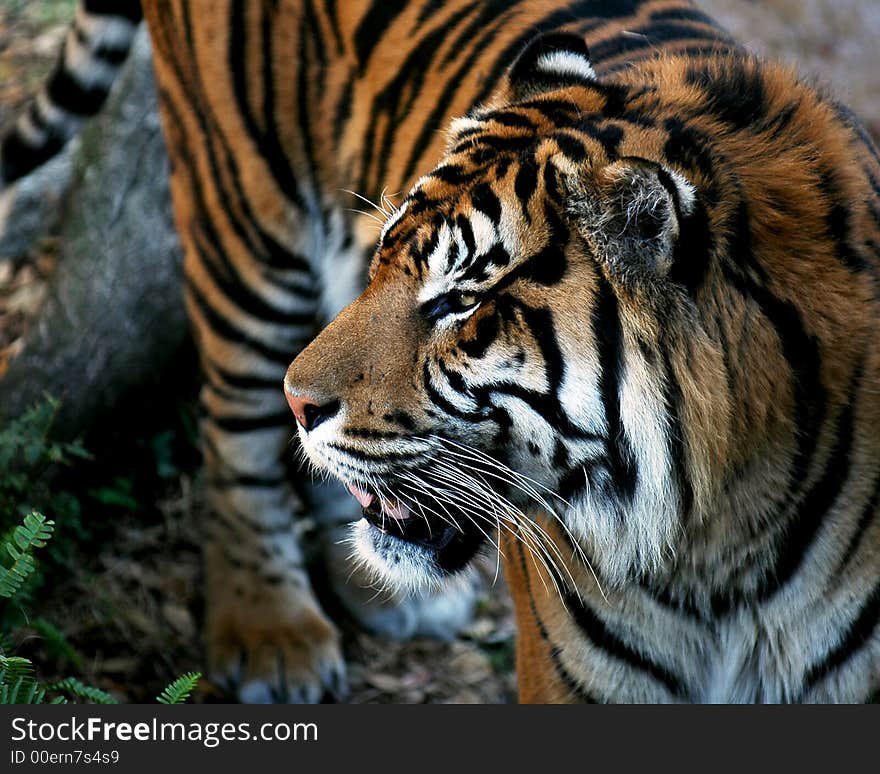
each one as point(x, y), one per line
point(94, 51)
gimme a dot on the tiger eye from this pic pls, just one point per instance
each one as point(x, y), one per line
point(467, 300)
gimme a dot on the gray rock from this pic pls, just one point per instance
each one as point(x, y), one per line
point(114, 313)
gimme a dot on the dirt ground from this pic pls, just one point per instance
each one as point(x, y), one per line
point(130, 609)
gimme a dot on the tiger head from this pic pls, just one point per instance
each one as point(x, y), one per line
point(533, 337)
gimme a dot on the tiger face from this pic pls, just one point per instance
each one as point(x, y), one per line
point(481, 373)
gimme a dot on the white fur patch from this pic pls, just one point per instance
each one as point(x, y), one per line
point(566, 63)
point(56, 117)
point(7, 199)
point(687, 192)
point(28, 131)
point(338, 268)
point(485, 235)
point(403, 567)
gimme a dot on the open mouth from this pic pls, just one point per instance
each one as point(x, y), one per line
point(448, 533)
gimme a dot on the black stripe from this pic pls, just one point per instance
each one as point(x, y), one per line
point(260, 244)
point(18, 158)
point(230, 283)
point(343, 105)
point(867, 517)
point(251, 424)
point(609, 136)
point(692, 254)
point(813, 510)
point(242, 382)
point(513, 119)
point(127, 9)
point(856, 637)
point(675, 436)
point(644, 40)
point(265, 249)
point(571, 147)
point(445, 98)
point(540, 323)
point(395, 102)
point(310, 81)
point(608, 334)
point(378, 18)
point(247, 481)
point(606, 640)
point(365, 456)
point(444, 405)
point(526, 184)
point(333, 17)
point(111, 55)
point(268, 139)
point(366, 432)
point(225, 329)
point(838, 224)
point(67, 93)
point(567, 679)
point(734, 94)
point(682, 14)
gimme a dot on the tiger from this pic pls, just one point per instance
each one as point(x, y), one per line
point(625, 332)
point(620, 332)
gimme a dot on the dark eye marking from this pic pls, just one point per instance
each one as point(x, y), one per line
point(453, 302)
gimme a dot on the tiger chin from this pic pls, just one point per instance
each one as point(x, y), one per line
point(625, 335)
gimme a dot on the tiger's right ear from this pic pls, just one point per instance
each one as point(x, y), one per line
point(631, 213)
point(552, 60)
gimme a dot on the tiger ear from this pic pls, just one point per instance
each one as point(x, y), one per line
point(550, 61)
point(630, 214)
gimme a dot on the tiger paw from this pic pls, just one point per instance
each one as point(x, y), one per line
point(275, 649)
point(439, 614)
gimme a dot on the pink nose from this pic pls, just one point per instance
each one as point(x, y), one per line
point(298, 405)
point(308, 413)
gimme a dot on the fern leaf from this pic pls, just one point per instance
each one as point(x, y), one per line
point(80, 690)
point(178, 691)
point(17, 683)
point(33, 533)
point(13, 667)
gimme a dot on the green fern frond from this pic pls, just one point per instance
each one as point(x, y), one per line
point(17, 682)
point(33, 533)
point(22, 691)
point(80, 690)
point(178, 691)
point(13, 667)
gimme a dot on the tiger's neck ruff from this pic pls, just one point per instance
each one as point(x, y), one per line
point(626, 332)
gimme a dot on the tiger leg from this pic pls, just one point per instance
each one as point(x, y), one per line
point(266, 634)
point(251, 302)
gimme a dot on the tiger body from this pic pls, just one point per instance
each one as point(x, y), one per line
point(620, 326)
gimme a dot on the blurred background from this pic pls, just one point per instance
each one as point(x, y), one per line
point(117, 599)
